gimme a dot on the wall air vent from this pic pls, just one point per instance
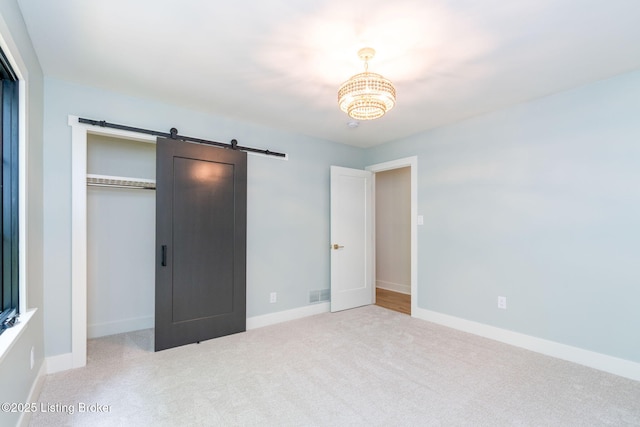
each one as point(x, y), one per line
point(319, 295)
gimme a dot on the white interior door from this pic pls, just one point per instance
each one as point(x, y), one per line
point(351, 238)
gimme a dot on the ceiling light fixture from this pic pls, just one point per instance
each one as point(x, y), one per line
point(366, 96)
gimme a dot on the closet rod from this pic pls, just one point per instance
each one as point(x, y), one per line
point(174, 135)
point(130, 187)
point(120, 182)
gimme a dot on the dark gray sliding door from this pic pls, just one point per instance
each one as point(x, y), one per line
point(201, 210)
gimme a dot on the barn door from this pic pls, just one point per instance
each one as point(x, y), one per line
point(201, 205)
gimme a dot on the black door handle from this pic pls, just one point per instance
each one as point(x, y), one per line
point(164, 256)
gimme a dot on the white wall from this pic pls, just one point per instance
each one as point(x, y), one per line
point(538, 203)
point(17, 376)
point(393, 230)
point(288, 201)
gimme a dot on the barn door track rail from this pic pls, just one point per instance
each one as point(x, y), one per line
point(173, 134)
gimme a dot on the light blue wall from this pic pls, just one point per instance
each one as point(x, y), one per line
point(16, 375)
point(539, 203)
point(288, 201)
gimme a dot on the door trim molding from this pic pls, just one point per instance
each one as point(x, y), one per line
point(412, 163)
point(79, 133)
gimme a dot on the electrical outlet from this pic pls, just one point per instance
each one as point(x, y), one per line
point(502, 303)
point(273, 297)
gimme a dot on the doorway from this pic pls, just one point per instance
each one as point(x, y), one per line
point(392, 213)
point(352, 203)
point(396, 271)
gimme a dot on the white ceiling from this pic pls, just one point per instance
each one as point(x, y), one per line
point(280, 62)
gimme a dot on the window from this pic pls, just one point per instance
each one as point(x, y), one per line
point(9, 198)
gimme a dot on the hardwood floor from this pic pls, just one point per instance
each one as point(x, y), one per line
point(393, 300)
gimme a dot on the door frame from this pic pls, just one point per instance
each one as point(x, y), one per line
point(412, 164)
point(79, 136)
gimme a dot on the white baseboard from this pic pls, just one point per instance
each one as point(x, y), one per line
point(284, 316)
point(119, 326)
point(395, 287)
point(34, 394)
point(602, 362)
point(61, 362)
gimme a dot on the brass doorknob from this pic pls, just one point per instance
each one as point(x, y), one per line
point(337, 246)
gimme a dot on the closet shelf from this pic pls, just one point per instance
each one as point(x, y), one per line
point(120, 182)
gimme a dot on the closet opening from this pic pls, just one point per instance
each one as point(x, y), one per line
point(81, 176)
point(121, 233)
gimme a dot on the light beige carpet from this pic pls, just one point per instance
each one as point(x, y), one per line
point(368, 366)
